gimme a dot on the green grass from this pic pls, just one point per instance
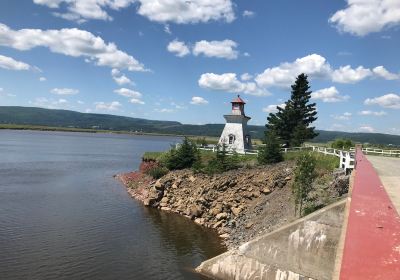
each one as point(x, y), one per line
point(325, 163)
point(153, 155)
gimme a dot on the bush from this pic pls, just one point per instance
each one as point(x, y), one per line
point(221, 162)
point(304, 176)
point(182, 157)
point(271, 152)
point(157, 172)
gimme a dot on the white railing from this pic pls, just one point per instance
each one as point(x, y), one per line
point(346, 157)
point(382, 152)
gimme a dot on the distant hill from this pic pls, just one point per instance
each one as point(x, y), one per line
point(65, 118)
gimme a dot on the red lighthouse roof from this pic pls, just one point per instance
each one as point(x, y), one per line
point(238, 100)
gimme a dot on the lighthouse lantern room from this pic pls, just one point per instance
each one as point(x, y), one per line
point(235, 134)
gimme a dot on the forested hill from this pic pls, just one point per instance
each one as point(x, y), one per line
point(64, 118)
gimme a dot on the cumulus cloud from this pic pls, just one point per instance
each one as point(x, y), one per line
point(247, 13)
point(136, 101)
point(285, 74)
point(119, 78)
point(177, 11)
point(221, 49)
point(228, 82)
point(343, 117)
point(246, 77)
point(362, 17)
point(164, 110)
point(42, 79)
point(50, 103)
point(179, 48)
point(380, 71)
point(317, 67)
point(330, 94)
point(12, 64)
point(183, 11)
point(112, 106)
point(348, 75)
point(128, 93)
point(390, 100)
point(64, 91)
point(71, 42)
point(197, 100)
point(366, 128)
point(273, 108)
point(372, 113)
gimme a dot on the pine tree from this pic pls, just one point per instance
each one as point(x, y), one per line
point(271, 152)
point(292, 123)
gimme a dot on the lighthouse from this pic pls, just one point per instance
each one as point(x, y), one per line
point(235, 134)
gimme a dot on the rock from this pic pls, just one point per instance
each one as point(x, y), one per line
point(165, 208)
point(164, 199)
point(218, 224)
point(158, 185)
point(216, 210)
point(248, 225)
point(236, 210)
point(192, 178)
point(224, 236)
point(288, 178)
point(266, 190)
point(195, 211)
point(221, 216)
point(199, 221)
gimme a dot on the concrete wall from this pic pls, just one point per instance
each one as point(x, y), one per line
point(304, 249)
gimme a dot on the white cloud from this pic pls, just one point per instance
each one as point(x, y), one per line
point(178, 48)
point(229, 83)
point(220, 49)
point(167, 29)
point(380, 71)
point(246, 54)
point(164, 110)
point(42, 79)
point(372, 113)
point(285, 74)
point(361, 17)
point(273, 108)
point(50, 103)
point(390, 100)
point(197, 100)
point(12, 64)
point(136, 101)
point(71, 42)
point(183, 11)
point(119, 78)
point(112, 106)
point(348, 75)
point(343, 117)
point(177, 11)
point(247, 13)
point(6, 94)
point(366, 128)
point(246, 77)
point(64, 91)
point(80, 102)
point(330, 94)
point(128, 93)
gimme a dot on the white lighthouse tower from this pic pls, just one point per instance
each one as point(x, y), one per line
point(235, 134)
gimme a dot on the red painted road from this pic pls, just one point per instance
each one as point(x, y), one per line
point(372, 244)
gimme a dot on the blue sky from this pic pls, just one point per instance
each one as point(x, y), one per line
point(185, 60)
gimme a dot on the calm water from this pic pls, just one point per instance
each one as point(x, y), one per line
point(63, 216)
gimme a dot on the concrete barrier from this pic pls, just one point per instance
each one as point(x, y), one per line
point(304, 249)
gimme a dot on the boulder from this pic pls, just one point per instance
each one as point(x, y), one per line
point(221, 216)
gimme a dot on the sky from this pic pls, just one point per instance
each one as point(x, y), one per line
point(185, 60)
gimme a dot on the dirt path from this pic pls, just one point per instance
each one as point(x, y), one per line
point(389, 172)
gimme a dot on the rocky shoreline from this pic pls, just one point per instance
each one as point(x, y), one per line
point(239, 204)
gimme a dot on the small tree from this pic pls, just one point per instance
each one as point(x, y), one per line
point(271, 152)
point(342, 144)
point(303, 181)
point(182, 157)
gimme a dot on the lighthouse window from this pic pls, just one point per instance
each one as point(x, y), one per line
point(231, 139)
point(247, 139)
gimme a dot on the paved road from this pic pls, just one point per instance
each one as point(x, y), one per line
point(389, 172)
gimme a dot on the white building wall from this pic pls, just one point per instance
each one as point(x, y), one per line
point(236, 126)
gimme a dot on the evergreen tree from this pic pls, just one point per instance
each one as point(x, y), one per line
point(184, 156)
point(292, 123)
point(271, 152)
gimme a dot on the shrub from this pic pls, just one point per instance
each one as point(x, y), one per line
point(271, 152)
point(345, 144)
point(221, 162)
point(157, 172)
point(302, 186)
point(182, 157)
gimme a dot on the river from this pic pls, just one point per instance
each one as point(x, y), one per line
point(64, 216)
